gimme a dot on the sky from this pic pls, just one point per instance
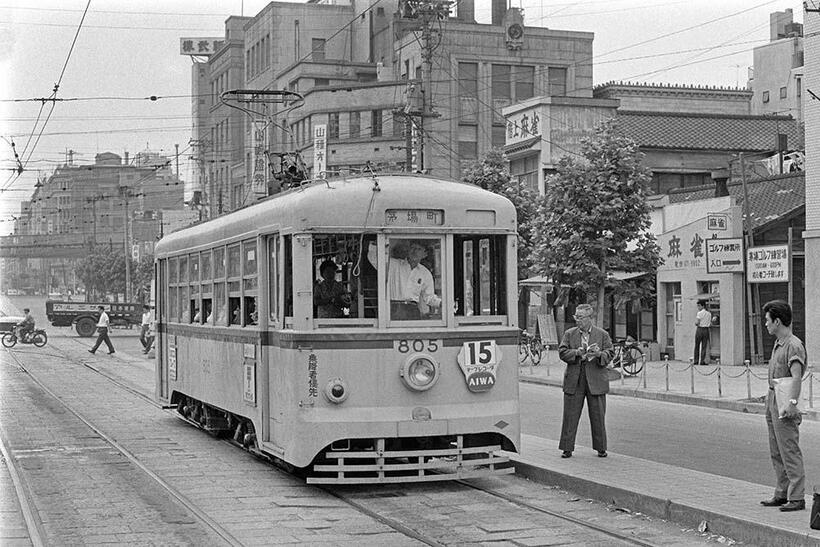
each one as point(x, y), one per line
point(127, 51)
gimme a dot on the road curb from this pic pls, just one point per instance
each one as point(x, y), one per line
point(668, 509)
point(681, 398)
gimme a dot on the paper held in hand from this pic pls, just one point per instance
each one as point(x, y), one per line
point(783, 389)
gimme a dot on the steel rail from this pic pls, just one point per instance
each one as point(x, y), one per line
point(184, 501)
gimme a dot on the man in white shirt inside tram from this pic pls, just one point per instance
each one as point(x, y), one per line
point(410, 284)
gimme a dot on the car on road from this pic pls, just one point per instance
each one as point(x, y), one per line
point(7, 322)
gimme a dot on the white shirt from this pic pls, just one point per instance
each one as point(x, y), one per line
point(146, 318)
point(406, 283)
point(103, 322)
point(704, 318)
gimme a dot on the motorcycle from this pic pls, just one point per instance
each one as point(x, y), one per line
point(38, 337)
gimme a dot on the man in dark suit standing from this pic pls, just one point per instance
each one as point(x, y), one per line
point(586, 350)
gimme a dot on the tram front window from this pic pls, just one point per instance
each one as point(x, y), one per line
point(413, 277)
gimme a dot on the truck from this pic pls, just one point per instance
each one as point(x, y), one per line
point(84, 315)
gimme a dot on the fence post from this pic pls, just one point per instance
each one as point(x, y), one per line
point(720, 386)
point(666, 368)
point(692, 375)
point(746, 363)
point(643, 374)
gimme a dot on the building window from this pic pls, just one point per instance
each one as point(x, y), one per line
point(783, 93)
point(557, 81)
point(468, 142)
point(321, 81)
point(524, 82)
point(765, 96)
point(468, 91)
point(398, 125)
point(355, 124)
point(376, 123)
point(317, 49)
point(525, 171)
point(499, 136)
point(799, 87)
point(333, 125)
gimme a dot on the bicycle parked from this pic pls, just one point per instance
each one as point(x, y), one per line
point(37, 337)
point(628, 356)
point(530, 346)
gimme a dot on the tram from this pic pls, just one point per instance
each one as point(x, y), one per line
point(359, 330)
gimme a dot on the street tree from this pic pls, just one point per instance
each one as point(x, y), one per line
point(594, 219)
point(491, 173)
point(102, 271)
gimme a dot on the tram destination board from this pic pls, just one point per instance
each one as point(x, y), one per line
point(414, 217)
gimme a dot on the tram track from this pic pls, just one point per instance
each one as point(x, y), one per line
point(346, 496)
point(164, 485)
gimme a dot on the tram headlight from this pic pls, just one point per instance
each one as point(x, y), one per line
point(336, 391)
point(419, 372)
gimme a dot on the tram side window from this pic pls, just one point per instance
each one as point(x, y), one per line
point(480, 280)
point(173, 278)
point(233, 267)
point(344, 284)
point(220, 302)
point(249, 283)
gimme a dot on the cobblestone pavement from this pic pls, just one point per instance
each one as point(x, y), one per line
point(87, 492)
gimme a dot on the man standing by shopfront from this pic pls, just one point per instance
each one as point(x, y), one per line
point(586, 350)
point(703, 320)
point(783, 418)
point(102, 329)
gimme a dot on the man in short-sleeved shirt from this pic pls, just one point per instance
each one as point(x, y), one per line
point(788, 360)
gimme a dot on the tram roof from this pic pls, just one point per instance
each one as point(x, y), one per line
point(353, 204)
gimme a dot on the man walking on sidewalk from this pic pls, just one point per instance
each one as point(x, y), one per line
point(145, 326)
point(788, 360)
point(102, 329)
point(586, 350)
point(703, 321)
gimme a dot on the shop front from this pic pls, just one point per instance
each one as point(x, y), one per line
point(703, 261)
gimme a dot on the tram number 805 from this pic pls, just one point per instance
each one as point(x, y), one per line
point(417, 345)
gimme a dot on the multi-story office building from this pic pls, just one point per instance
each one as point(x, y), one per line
point(359, 67)
point(777, 76)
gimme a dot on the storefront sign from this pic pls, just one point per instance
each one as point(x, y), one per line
point(199, 46)
point(523, 125)
point(768, 264)
point(724, 255)
point(319, 150)
point(718, 222)
point(259, 181)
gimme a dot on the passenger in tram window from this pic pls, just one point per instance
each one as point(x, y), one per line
point(251, 313)
point(235, 315)
point(410, 283)
point(197, 316)
point(329, 296)
point(207, 311)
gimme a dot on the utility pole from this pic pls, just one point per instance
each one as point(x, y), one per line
point(426, 13)
point(177, 157)
point(125, 192)
point(752, 313)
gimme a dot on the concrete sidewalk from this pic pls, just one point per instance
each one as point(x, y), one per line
point(726, 387)
point(729, 507)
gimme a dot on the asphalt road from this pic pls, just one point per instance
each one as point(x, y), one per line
point(721, 442)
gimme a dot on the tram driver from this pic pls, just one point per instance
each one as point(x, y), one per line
point(409, 282)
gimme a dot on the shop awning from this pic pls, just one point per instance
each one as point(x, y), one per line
point(622, 276)
point(537, 281)
point(705, 296)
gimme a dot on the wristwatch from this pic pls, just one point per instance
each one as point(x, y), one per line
point(793, 401)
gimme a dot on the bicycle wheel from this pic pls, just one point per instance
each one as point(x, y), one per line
point(40, 339)
point(536, 351)
point(523, 351)
point(9, 340)
point(632, 361)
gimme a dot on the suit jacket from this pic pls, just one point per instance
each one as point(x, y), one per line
point(595, 373)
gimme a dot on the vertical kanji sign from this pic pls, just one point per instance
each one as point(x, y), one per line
point(319, 150)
